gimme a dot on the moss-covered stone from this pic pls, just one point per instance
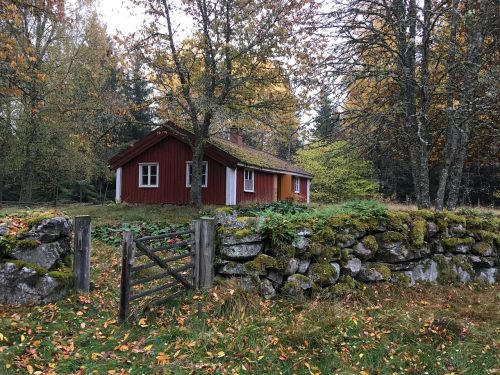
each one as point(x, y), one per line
point(425, 214)
point(391, 236)
point(382, 269)
point(484, 235)
point(35, 267)
point(345, 239)
point(370, 242)
point(322, 273)
point(452, 243)
point(37, 218)
point(26, 244)
point(483, 248)
point(396, 220)
point(65, 277)
point(225, 209)
point(417, 232)
point(344, 286)
point(326, 234)
point(242, 233)
point(261, 263)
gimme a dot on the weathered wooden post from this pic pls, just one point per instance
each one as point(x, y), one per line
point(81, 266)
point(128, 254)
point(205, 248)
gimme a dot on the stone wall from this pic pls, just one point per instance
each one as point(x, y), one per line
point(401, 247)
point(35, 260)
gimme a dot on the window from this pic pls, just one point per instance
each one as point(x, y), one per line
point(296, 184)
point(248, 185)
point(189, 174)
point(148, 174)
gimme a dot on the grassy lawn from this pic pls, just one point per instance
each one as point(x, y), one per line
point(381, 329)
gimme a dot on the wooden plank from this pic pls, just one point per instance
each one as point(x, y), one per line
point(172, 246)
point(167, 260)
point(206, 266)
point(156, 289)
point(197, 250)
point(162, 236)
point(127, 261)
point(164, 265)
point(81, 266)
point(160, 275)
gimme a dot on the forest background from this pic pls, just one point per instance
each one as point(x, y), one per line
point(396, 100)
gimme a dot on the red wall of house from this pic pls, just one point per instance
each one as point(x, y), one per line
point(171, 154)
point(303, 187)
point(263, 187)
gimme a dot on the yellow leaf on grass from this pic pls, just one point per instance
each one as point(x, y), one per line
point(29, 368)
point(22, 338)
point(221, 354)
point(364, 372)
point(95, 356)
point(148, 347)
point(360, 355)
point(143, 322)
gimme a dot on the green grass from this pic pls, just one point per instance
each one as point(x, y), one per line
point(111, 214)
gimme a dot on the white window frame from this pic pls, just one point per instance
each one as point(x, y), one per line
point(190, 163)
point(296, 184)
point(249, 171)
point(149, 165)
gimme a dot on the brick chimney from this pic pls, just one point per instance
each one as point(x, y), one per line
point(235, 135)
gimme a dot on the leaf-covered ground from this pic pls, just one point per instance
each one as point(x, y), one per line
point(381, 329)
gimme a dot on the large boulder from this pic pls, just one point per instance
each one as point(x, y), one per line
point(241, 252)
point(22, 285)
point(45, 255)
point(50, 229)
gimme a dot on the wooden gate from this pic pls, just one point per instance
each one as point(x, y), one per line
point(156, 269)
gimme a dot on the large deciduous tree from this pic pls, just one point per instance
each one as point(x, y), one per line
point(234, 47)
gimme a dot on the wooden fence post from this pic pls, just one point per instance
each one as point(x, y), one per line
point(205, 252)
point(81, 266)
point(128, 254)
point(197, 251)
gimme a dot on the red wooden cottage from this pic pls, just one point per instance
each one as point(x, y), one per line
point(157, 169)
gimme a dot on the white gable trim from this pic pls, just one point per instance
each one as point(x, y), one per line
point(118, 186)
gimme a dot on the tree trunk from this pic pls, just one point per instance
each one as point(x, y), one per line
point(475, 37)
point(196, 173)
point(451, 132)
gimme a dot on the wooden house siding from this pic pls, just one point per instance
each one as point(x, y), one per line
point(303, 187)
point(172, 155)
point(263, 187)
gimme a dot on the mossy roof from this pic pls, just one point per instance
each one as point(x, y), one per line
point(256, 158)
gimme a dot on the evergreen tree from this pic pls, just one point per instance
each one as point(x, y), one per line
point(327, 120)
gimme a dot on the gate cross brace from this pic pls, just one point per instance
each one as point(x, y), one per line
point(163, 265)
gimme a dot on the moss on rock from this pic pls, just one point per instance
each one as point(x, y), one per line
point(322, 273)
point(401, 278)
point(391, 236)
point(425, 214)
point(242, 233)
point(417, 232)
point(261, 263)
point(65, 277)
point(451, 243)
point(35, 267)
point(344, 286)
point(397, 219)
point(26, 244)
point(370, 242)
point(382, 269)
